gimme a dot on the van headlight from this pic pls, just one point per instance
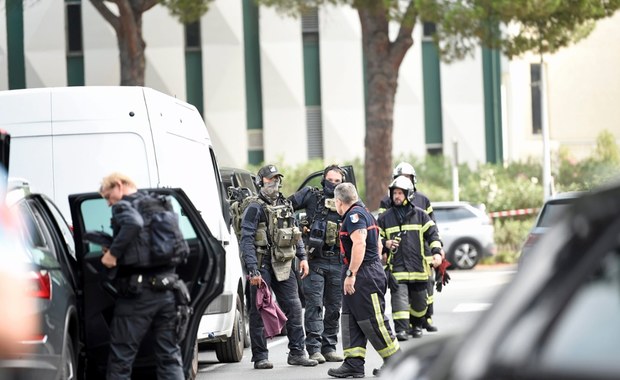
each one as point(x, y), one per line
point(221, 304)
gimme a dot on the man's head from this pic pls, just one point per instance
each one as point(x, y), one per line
point(115, 186)
point(345, 195)
point(269, 180)
point(333, 175)
point(401, 191)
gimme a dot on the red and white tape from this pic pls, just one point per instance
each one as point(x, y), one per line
point(523, 211)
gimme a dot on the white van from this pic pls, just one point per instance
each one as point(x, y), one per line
point(65, 140)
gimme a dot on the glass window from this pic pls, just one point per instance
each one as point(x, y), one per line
point(535, 77)
point(552, 212)
point(192, 36)
point(74, 28)
point(67, 235)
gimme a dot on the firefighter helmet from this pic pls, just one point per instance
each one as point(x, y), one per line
point(405, 185)
point(405, 169)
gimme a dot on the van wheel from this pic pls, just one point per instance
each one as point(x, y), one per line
point(69, 361)
point(231, 351)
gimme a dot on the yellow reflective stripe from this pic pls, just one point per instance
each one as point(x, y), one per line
point(429, 259)
point(435, 244)
point(418, 314)
point(400, 315)
point(381, 232)
point(428, 225)
point(430, 299)
point(380, 211)
point(379, 318)
point(411, 227)
point(390, 350)
point(355, 352)
point(429, 209)
point(392, 230)
point(410, 276)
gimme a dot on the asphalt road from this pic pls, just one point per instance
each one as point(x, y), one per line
point(456, 308)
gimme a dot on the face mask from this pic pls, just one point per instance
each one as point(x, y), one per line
point(271, 189)
point(328, 188)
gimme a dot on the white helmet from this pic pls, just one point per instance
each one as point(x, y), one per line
point(404, 169)
point(405, 185)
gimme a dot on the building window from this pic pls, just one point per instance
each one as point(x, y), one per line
point(535, 77)
point(74, 28)
point(428, 30)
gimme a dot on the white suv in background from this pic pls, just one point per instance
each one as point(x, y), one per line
point(466, 231)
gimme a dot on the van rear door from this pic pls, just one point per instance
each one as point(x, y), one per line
point(203, 273)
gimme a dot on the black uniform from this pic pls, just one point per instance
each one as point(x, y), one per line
point(323, 286)
point(363, 312)
point(139, 308)
point(408, 264)
point(286, 291)
point(422, 201)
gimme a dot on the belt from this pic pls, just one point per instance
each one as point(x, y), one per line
point(329, 253)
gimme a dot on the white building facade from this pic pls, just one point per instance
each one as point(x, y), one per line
point(278, 89)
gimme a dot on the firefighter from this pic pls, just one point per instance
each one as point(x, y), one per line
point(404, 230)
point(364, 284)
point(423, 202)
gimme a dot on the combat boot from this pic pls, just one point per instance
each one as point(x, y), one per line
point(333, 356)
point(302, 360)
point(345, 371)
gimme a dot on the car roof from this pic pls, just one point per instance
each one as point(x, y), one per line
point(567, 195)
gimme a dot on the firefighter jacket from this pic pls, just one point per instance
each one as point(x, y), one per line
point(408, 262)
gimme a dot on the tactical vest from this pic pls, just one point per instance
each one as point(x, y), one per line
point(323, 231)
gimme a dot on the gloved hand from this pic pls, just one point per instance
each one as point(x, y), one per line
point(442, 277)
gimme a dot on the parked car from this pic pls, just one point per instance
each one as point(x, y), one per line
point(466, 231)
point(557, 319)
point(49, 254)
point(551, 212)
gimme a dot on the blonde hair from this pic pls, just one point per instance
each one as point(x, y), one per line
point(111, 180)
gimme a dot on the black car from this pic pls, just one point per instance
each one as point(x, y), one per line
point(203, 273)
point(48, 252)
point(557, 319)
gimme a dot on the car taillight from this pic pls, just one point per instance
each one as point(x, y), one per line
point(40, 284)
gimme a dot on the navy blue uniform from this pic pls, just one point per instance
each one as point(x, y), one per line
point(363, 312)
point(139, 310)
point(323, 286)
point(286, 291)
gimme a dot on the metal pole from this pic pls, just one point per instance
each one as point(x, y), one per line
point(455, 170)
point(545, 131)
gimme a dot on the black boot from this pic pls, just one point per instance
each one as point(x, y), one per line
point(345, 371)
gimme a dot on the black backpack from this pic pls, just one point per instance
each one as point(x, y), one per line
point(161, 232)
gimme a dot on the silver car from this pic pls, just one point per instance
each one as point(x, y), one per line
point(466, 232)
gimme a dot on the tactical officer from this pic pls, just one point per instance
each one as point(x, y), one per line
point(422, 201)
point(138, 307)
point(270, 240)
point(404, 230)
point(322, 288)
point(364, 284)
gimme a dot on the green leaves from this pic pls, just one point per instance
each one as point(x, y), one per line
point(187, 11)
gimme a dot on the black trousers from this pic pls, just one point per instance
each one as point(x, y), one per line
point(149, 312)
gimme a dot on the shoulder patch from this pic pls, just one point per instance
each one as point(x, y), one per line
point(354, 218)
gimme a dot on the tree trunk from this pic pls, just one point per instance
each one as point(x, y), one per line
point(383, 59)
point(128, 28)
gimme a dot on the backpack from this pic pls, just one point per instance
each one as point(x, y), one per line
point(161, 232)
point(240, 198)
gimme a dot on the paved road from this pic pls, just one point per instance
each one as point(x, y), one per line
point(457, 307)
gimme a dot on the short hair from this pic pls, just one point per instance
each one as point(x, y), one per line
point(110, 181)
point(335, 168)
point(346, 193)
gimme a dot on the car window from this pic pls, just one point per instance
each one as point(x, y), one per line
point(67, 235)
point(552, 212)
point(36, 233)
point(245, 180)
point(97, 217)
point(452, 214)
point(587, 333)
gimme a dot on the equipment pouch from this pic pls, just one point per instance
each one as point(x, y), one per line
point(330, 203)
point(184, 312)
point(260, 239)
point(134, 285)
point(284, 237)
point(316, 237)
point(283, 254)
point(331, 237)
point(164, 281)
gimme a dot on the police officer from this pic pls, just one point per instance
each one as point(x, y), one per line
point(422, 201)
point(138, 307)
point(364, 284)
point(270, 240)
point(322, 288)
point(404, 230)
